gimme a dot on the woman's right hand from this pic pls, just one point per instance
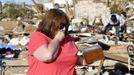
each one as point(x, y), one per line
point(60, 35)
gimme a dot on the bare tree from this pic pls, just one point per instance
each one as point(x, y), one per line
point(0, 7)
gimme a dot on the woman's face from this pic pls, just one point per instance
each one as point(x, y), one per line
point(63, 28)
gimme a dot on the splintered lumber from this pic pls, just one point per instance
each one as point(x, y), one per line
point(116, 57)
point(130, 35)
point(39, 10)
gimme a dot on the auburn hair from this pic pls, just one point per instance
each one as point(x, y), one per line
point(52, 22)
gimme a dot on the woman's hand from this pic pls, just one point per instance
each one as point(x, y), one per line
point(60, 35)
point(50, 51)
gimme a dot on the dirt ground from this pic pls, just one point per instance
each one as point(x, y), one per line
point(20, 66)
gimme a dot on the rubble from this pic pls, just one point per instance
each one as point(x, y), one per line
point(90, 34)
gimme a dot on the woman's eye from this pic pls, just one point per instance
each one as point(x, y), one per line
point(61, 27)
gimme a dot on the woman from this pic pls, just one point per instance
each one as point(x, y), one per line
point(51, 51)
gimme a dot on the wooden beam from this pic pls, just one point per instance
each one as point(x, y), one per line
point(116, 57)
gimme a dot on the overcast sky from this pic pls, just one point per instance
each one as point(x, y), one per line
point(20, 1)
